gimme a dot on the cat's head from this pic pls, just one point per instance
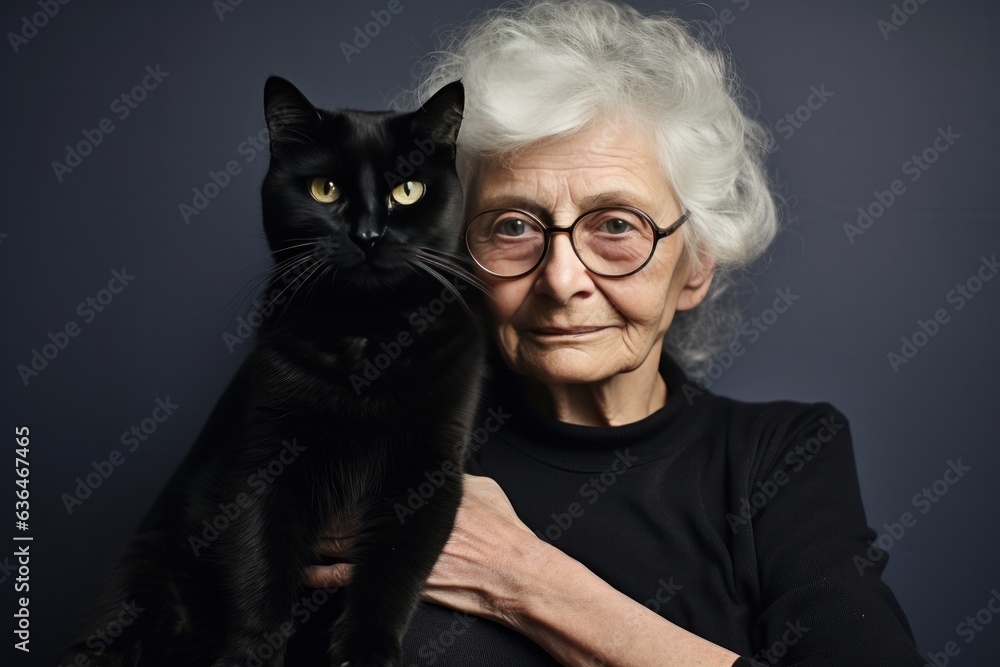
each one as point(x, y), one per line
point(361, 203)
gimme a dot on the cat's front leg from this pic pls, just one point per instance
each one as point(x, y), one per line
point(262, 565)
point(398, 551)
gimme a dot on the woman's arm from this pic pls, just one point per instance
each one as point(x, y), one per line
point(494, 567)
point(581, 620)
point(817, 567)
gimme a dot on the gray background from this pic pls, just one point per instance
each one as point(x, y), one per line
point(162, 335)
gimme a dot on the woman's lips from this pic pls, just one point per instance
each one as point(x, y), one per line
point(564, 331)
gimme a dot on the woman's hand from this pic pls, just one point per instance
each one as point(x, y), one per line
point(482, 570)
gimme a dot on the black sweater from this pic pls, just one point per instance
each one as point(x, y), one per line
point(741, 522)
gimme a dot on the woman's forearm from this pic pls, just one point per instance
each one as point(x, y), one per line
point(581, 620)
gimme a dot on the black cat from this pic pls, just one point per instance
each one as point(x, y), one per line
point(361, 388)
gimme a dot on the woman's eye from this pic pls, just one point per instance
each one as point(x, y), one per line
point(512, 227)
point(324, 190)
point(617, 226)
point(408, 193)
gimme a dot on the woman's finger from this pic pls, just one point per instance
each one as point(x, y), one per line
point(327, 576)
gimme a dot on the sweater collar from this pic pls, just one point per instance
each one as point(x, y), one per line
point(595, 448)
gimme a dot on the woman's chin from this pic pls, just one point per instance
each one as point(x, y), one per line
point(564, 365)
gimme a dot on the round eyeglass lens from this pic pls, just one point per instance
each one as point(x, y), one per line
point(506, 243)
point(613, 241)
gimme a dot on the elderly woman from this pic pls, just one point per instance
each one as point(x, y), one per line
point(622, 514)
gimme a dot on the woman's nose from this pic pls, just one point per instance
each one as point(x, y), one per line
point(562, 275)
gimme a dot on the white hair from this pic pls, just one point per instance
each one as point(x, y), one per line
point(545, 69)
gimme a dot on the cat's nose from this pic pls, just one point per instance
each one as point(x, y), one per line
point(366, 234)
point(366, 241)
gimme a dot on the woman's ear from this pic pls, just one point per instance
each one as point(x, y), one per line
point(699, 278)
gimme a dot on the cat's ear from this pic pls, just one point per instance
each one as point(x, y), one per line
point(286, 107)
point(440, 117)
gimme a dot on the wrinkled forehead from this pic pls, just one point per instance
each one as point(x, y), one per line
point(604, 164)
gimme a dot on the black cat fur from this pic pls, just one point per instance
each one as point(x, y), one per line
point(344, 447)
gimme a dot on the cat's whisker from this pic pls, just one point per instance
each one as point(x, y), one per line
point(448, 286)
point(274, 271)
point(457, 271)
point(254, 284)
point(457, 263)
point(276, 264)
point(319, 278)
point(460, 257)
point(462, 274)
point(272, 254)
point(430, 261)
point(280, 268)
point(305, 279)
point(454, 259)
point(289, 265)
point(296, 266)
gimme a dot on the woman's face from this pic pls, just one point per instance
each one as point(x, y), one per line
point(561, 323)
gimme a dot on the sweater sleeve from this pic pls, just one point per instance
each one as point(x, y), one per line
point(822, 598)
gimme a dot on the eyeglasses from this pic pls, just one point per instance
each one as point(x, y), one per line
point(611, 241)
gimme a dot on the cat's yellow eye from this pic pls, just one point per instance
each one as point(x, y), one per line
point(408, 192)
point(324, 190)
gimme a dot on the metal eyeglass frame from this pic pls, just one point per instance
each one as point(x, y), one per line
point(547, 232)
